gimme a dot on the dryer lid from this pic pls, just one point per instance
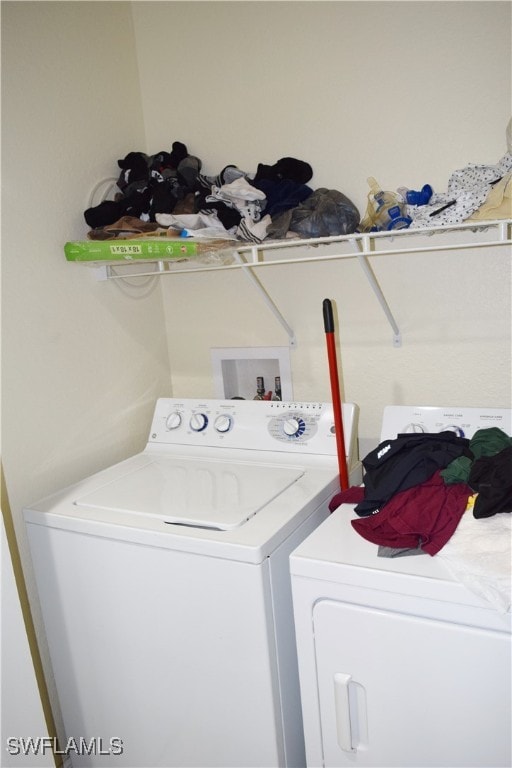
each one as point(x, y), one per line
point(199, 493)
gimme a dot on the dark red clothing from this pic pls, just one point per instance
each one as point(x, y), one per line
point(352, 495)
point(425, 515)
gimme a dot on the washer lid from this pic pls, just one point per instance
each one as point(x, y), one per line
point(199, 493)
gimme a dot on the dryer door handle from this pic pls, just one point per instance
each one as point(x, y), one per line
point(342, 707)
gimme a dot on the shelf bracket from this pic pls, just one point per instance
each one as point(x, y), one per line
point(364, 248)
point(246, 269)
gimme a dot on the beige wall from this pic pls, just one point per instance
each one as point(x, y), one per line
point(82, 361)
point(403, 91)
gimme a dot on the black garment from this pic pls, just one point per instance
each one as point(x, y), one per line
point(408, 460)
point(148, 186)
point(134, 167)
point(282, 195)
point(163, 199)
point(286, 168)
point(491, 477)
point(109, 211)
point(485, 442)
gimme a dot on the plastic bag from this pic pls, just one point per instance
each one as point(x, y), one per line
point(326, 212)
point(385, 210)
point(498, 204)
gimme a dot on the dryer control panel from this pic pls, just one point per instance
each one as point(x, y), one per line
point(297, 427)
point(399, 419)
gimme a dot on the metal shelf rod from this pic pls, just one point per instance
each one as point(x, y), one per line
point(304, 259)
point(247, 270)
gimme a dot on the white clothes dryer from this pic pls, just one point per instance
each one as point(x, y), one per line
point(165, 587)
point(401, 664)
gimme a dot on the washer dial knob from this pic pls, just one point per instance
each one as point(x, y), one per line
point(223, 423)
point(173, 421)
point(294, 427)
point(413, 428)
point(198, 422)
point(453, 428)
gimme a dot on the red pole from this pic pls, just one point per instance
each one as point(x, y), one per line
point(335, 390)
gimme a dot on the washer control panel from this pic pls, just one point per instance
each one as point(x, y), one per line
point(400, 419)
point(306, 427)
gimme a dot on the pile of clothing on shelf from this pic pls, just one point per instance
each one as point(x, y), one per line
point(166, 193)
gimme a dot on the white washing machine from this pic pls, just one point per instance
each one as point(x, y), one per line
point(401, 665)
point(165, 586)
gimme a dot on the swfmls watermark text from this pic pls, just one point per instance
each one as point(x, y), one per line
point(42, 745)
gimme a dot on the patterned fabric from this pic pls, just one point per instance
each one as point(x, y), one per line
point(468, 189)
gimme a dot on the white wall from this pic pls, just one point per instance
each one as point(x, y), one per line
point(406, 92)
